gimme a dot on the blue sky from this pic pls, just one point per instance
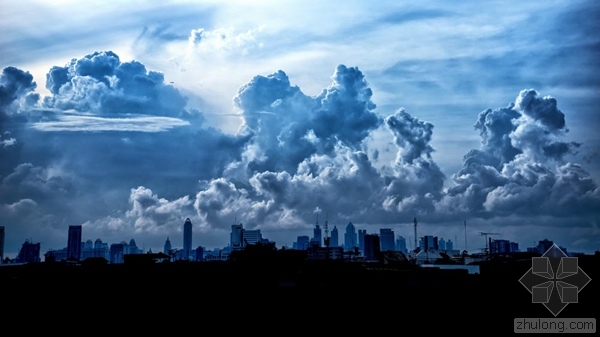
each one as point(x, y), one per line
point(127, 118)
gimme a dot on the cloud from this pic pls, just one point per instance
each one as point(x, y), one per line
point(96, 124)
point(16, 89)
point(520, 167)
point(99, 83)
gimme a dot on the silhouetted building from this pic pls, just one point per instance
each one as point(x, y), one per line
point(167, 248)
point(317, 234)
point(334, 239)
point(543, 246)
point(74, 243)
point(117, 252)
point(372, 247)
point(236, 237)
point(251, 237)
point(401, 244)
point(302, 242)
point(132, 248)
point(30, 252)
point(187, 239)
point(442, 244)
point(361, 240)
point(429, 242)
point(449, 246)
point(386, 237)
point(1, 244)
point(350, 240)
point(199, 254)
point(503, 247)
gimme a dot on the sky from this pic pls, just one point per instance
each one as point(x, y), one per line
point(129, 117)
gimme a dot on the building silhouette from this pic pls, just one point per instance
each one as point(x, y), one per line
point(361, 240)
point(335, 237)
point(317, 235)
point(187, 239)
point(401, 244)
point(167, 248)
point(386, 237)
point(74, 243)
point(350, 240)
point(428, 242)
point(302, 242)
point(236, 237)
point(30, 252)
point(372, 247)
point(1, 244)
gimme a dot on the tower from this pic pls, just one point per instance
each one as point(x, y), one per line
point(334, 240)
point(74, 243)
point(167, 247)
point(350, 240)
point(416, 245)
point(187, 238)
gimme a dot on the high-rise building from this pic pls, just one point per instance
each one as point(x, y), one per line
point(251, 237)
point(429, 242)
point(372, 247)
point(361, 240)
point(317, 235)
point(30, 252)
point(401, 244)
point(187, 239)
point(449, 245)
point(167, 247)
point(74, 243)
point(386, 238)
point(236, 237)
point(335, 237)
point(350, 240)
point(442, 244)
point(1, 244)
point(302, 242)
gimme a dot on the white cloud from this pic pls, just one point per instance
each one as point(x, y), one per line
point(97, 124)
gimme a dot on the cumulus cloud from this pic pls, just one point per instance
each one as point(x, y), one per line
point(142, 160)
point(99, 83)
point(520, 167)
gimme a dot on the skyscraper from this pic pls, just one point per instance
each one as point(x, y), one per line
point(361, 240)
point(187, 238)
point(167, 247)
point(386, 237)
point(350, 237)
point(30, 252)
point(74, 243)
point(372, 247)
point(1, 244)
point(236, 237)
point(334, 240)
point(317, 234)
point(401, 244)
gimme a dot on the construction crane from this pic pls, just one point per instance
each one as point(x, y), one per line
point(486, 234)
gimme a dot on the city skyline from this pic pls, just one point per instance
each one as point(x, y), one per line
point(272, 115)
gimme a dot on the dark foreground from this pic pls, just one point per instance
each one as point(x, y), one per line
point(291, 293)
